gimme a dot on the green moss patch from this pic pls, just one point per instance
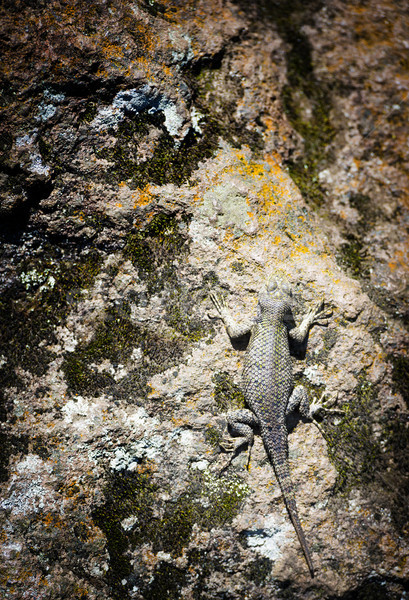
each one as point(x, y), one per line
point(169, 163)
point(167, 583)
point(227, 394)
point(30, 309)
point(208, 501)
point(258, 570)
point(400, 375)
point(154, 248)
point(114, 340)
point(125, 495)
point(306, 100)
point(157, 250)
point(378, 461)
point(351, 443)
point(353, 256)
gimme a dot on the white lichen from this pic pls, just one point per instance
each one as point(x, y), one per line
point(135, 101)
point(270, 539)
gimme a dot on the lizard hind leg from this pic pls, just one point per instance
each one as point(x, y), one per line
point(241, 424)
point(299, 401)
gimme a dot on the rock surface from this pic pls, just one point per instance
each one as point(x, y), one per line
point(153, 152)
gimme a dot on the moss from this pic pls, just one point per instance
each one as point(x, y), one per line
point(125, 495)
point(227, 394)
point(208, 501)
point(10, 444)
point(352, 256)
point(154, 248)
point(400, 375)
point(30, 309)
point(45, 149)
point(395, 306)
point(378, 461)
point(258, 570)
point(6, 142)
point(373, 589)
point(213, 436)
point(395, 472)
point(167, 583)
point(88, 112)
point(238, 266)
point(114, 340)
point(211, 101)
point(352, 446)
point(156, 251)
point(178, 316)
point(170, 163)
point(366, 208)
point(306, 100)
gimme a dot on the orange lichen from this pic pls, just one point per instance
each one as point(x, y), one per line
point(143, 197)
point(53, 520)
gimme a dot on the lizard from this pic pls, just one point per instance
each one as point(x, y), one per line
point(268, 383)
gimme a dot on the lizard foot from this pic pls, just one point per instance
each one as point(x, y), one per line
point(234, 446)
point(317, 406)
point(318, 315)
point(227, 444)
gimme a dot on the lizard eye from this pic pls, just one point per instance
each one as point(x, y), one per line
point(286, 288)
point(271, 285)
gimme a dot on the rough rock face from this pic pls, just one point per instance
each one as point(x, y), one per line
point(154, 151)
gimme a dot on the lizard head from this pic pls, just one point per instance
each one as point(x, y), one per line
point(276, 293)
point(276, 284)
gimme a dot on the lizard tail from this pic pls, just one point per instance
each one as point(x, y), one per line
point(277, 449)
point(292, 511)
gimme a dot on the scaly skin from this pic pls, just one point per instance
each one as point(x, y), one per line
point(268, 383)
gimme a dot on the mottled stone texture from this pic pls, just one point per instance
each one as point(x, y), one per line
point(151, 152)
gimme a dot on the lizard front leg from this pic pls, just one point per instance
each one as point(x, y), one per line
point(233, 328)
point(317, 315)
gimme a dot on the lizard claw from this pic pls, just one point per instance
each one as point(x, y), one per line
point(317, 406)
point(218, 301)
point(320, 315)
point(227, 444)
